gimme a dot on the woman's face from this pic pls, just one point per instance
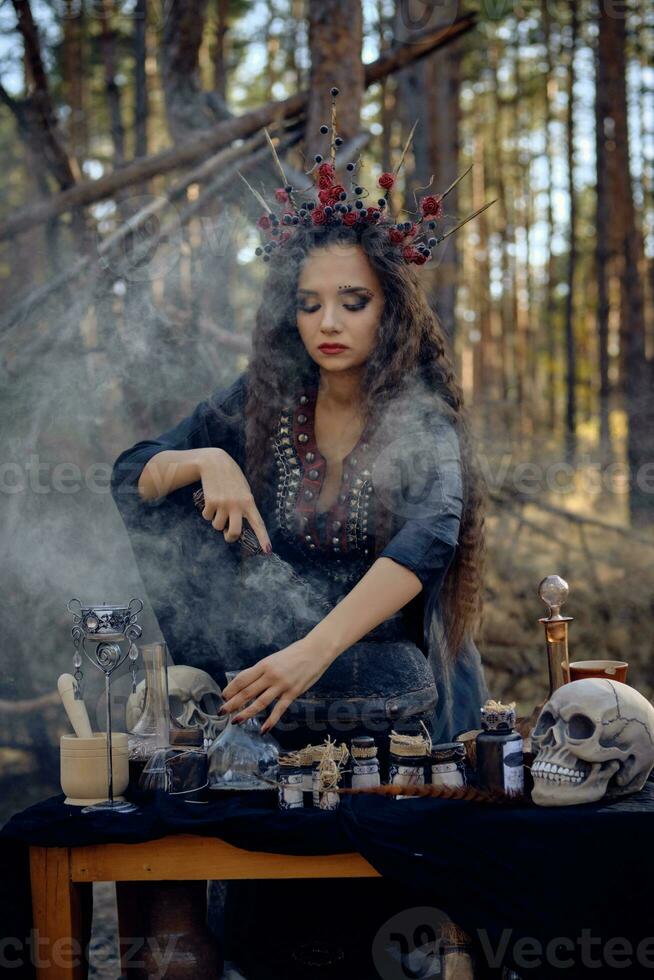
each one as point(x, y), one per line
point(339, 306)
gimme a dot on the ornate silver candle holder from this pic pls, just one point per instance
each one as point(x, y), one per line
point(105, 626)
point(553, 590)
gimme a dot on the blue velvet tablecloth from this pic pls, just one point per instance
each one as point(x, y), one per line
point(576, 883)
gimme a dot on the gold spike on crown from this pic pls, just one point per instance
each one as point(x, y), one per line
point(337, 206)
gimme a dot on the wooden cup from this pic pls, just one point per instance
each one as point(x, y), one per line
point(612, 670)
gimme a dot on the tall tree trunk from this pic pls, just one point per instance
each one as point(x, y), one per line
point(639, 380)
point(429, 90)
point(188, 108)
point(218, 50)
point(108, 49)
point(140, 78)
point(602, 253)
point(35, 115)
point(550, 302)
point(445, 80)
point(74, 79)
point(334, 26)
point(570, 345)
point(507, 340)
point(387, 96)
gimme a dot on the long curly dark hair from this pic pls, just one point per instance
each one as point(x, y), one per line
point(410, 346)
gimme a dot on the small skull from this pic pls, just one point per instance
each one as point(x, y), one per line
point(593, 738)
point(194, 699)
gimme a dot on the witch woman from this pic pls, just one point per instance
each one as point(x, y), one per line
point(343, 450)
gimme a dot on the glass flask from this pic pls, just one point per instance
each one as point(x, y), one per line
point(180, 769)
point(151, 730)
point(242, 757)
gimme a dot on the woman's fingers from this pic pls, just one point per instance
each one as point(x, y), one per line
point(259, 528)
point(235, 526)
point(259, 704)
point(219, 518)
point(245, 695)
point(241, 681)
point(277, 713)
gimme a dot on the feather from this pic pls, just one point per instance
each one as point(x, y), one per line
point(255, 192)
point(455, 182)
point(465, 221)
point(406, 148)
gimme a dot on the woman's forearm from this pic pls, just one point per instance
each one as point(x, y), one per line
point(169, 470)
point(386, 587)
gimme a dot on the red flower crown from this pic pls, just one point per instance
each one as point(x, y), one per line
point(335, 206)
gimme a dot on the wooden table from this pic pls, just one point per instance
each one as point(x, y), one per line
point(62, 878)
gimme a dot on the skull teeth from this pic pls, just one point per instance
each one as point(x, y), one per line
point(559, 774)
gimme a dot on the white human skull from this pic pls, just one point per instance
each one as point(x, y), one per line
point(194, 698)
point(593, 738)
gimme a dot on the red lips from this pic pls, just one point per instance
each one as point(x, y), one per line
point(331, 348)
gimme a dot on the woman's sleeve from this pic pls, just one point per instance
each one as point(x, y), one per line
point(215, 422)
point(422, 485)
point(188, 570)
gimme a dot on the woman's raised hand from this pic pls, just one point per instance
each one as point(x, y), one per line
point(228, 498)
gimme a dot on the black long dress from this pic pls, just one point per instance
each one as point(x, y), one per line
point(219, 613)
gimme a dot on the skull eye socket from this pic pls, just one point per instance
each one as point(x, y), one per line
point(210, 704)
point(580, 727)
point(545, 722)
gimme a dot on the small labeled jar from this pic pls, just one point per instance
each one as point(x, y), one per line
point(365, 764)
point(500, 762)
point(448, 764)
point(290, 795)
point(407, 758)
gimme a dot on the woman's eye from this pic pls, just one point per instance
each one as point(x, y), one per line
point(348, 306)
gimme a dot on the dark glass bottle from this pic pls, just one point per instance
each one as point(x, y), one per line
point(499, 750)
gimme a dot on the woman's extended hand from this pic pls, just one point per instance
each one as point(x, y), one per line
point(283, 676)
point(228, 498)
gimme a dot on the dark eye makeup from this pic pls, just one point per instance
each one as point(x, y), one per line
point(361, 305)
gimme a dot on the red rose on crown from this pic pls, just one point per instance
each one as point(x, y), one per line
point(264, 222)
point(350, 218)
point(281, 195)
point(327, 170)
point(325, 182)
point(396, 235)
point(432, 207)
point(336, 191)
point(371, 212)
point(325, 195)
point(387, 181)
point(411, 254)
point(318, 216)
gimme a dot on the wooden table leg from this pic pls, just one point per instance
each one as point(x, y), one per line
point(62, 912)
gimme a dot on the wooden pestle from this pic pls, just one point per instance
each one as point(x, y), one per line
point(75, 709)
